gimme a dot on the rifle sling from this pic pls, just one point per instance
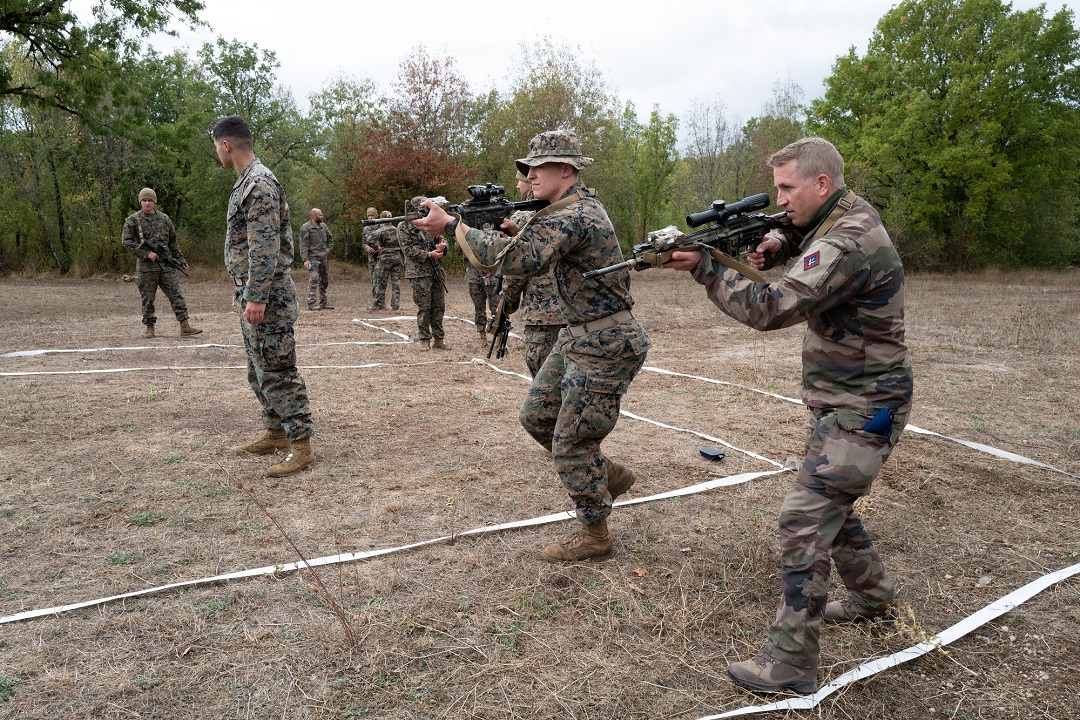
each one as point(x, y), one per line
point(842, 206)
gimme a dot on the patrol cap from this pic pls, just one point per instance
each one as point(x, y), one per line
point(520, 177)
point(147, 193)
point(554, 146)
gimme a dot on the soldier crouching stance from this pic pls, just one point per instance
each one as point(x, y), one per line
point(258, 256)
point(573, 402)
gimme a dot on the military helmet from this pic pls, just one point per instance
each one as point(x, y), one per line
point(554, 146)
point(147, 193)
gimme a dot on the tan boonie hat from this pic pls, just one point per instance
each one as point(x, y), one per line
point(554, 146)
point(146, 193)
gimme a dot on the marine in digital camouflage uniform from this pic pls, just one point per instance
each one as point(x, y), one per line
point(422, 254)
point(316, 243)
point(371, 251)
point(389, 266)
point(573, 402)
point(258, 256)
point(847, 284)
point(151, 227)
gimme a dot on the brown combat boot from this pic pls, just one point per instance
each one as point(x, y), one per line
point(766, 673)
point(148, 331)
point(849, 611)
point(482, 343)
point(619, 478)
point(425, 345)
point(440, 344)
point(300, 456)
point(590, 542)
point(270, 441)
point(186, 329)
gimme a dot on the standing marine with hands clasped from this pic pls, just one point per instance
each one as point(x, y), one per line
point(423, 251)
point(316, 242)
point(847, 284)
point(573, 402)
point(146, 234)
point(258, 256)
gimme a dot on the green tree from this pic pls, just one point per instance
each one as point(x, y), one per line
point(654, 172)
point(960, 123)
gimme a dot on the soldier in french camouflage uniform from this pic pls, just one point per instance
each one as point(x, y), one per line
point(422, 255)
point(847, 284)
point(574, 400)
point(371, 251)
point(147, 229)
point(389, 266)
point(316, 242)
point(258, 256)
point(541, 312)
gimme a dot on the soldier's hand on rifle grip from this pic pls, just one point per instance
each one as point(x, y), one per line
point(762, 257)
point(436, 219)
point(151, 256)
point(509, 227)
point(683, 260)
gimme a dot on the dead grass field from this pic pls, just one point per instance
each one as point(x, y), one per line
point(117, 482)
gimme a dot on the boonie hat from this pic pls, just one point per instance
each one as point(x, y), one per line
point(554, 146)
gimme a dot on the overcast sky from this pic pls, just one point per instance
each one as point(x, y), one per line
point(666, 53)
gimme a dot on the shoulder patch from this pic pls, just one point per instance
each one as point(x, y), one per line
point(817, 264)
point(811, 261)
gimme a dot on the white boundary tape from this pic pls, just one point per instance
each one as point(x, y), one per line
point(990, 612)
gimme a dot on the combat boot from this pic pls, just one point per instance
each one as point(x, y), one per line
point(300, 456)
point(440, 344)
point(270, 441)
point(619, 478)
point(148, 331)
point(482, 343)
point(326, 306)
point(590, 542)
point(766, 673)
point(849, 611)
point(425, 345)
point(186, 329)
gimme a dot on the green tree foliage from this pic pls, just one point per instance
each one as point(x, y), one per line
point(960, 123)
point(654, 172)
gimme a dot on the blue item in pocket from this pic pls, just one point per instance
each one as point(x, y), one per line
point(881, 424)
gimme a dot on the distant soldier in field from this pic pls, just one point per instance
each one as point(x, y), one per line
point(316, 242)
point(258, 256)
point(371, 251)
point(541, 312)
point(422, 255)
point(143, 232)
point(846, 285)
point(389, 266)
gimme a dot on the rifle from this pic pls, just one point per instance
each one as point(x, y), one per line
point(737, 231)
point(163, 256)
point(500, 321)
point(487, 205)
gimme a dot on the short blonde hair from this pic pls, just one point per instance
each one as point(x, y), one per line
point(816, 156)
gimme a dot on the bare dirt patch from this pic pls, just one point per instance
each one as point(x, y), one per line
point(117, 482)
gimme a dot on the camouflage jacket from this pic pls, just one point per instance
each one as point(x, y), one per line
point(157, 229)
point(540, 305)
point(848, 286)
point(417, 245)
point(316, 241)
point(258, 236)
point(386, 238)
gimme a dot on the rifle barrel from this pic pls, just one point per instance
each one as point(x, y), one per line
point(396, 219)
point(611, 268)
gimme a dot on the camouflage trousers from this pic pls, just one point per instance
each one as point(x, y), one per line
point(271, 362)
point(572, 405)
point(430, 299)
point(819, 527)
point(485, 301)
point(388, 272)
point(539, 339)
point(167, 280)
point(318, 282)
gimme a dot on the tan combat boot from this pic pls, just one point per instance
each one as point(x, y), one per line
point(482, 343)
point(300, 456)
point(619, 478)
point(766, 673)
point(270, 441)
point(425, 345)
point(148, 331)
point(440, 344)
point(187, 329)
point(849, 611)
point(591, 541)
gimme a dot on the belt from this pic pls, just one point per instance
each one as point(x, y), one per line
point(600, 324)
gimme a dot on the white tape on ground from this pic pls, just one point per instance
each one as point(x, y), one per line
point(352, 557)
point(952, 634)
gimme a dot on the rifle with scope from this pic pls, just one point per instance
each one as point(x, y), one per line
point(487, 205)
point(736, 231)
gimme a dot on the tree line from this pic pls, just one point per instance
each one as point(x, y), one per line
point(959, 122)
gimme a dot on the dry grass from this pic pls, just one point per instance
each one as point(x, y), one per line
point(117, 482)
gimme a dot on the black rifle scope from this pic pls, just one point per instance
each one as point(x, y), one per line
point(719, 212)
